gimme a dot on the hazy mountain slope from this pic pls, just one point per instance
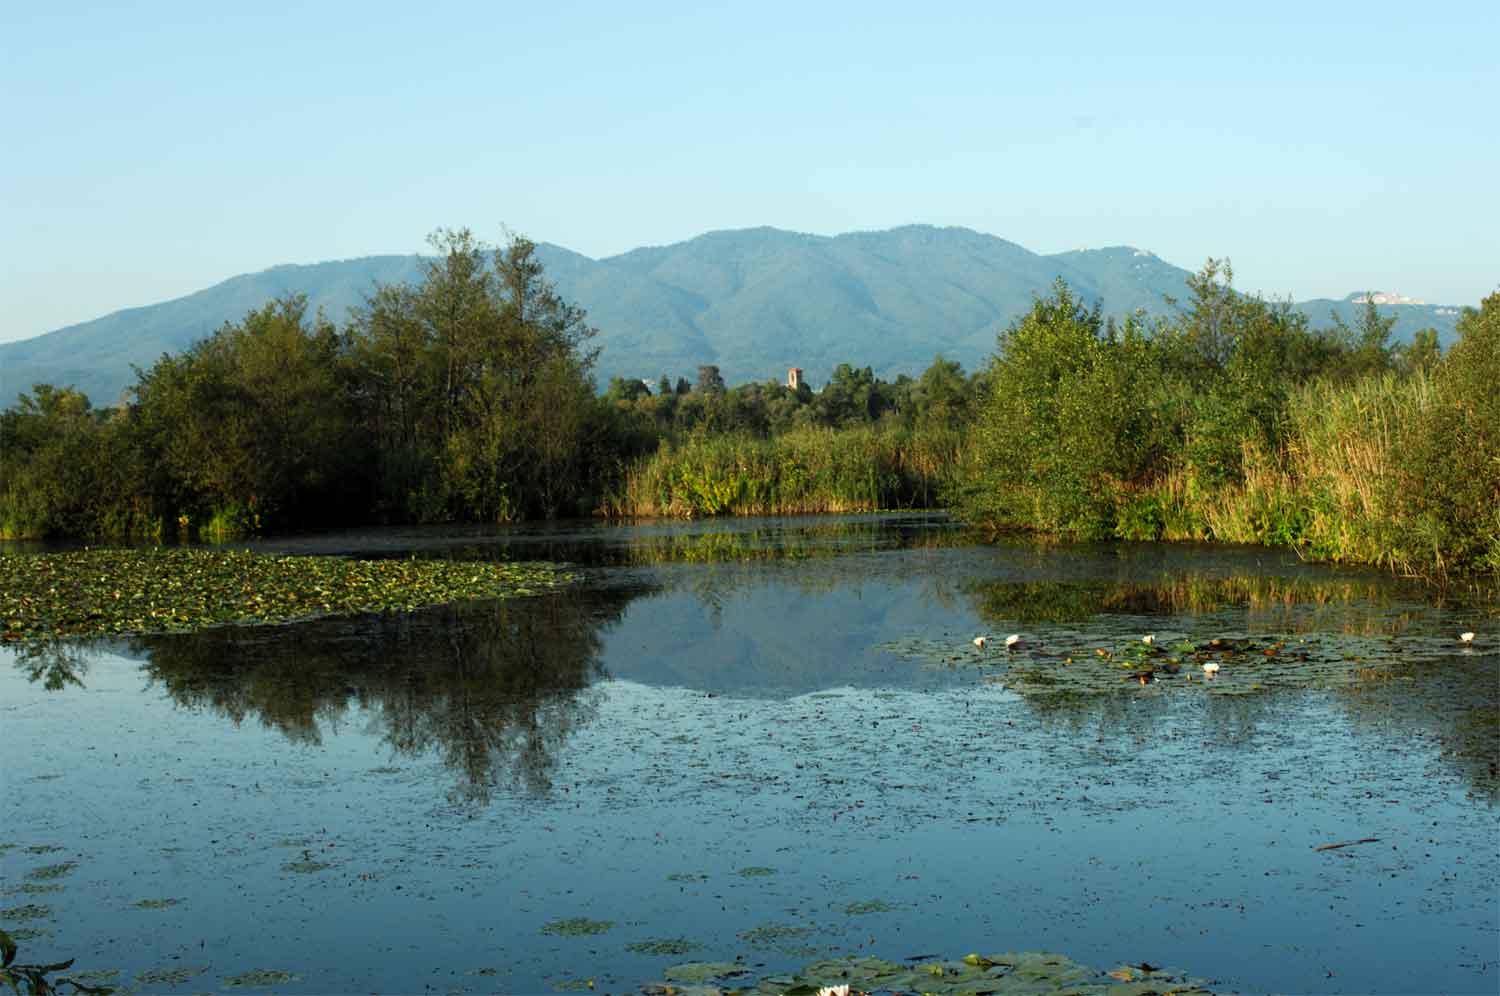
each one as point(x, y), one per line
point(754, 301)
point(96, 356)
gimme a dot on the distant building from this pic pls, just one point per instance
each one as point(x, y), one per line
point(794, 378)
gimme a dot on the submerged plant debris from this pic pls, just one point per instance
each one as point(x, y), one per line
point(90, 593)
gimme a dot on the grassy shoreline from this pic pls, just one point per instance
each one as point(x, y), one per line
point(804, 471)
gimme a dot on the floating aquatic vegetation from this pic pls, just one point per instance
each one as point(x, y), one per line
point(664, 946)
point(30, 911)
point(47, 872)
point(106, 592)
point(154, 904)
point(168, 976)
point(772, 935)
point(260, 977)
point(97, 976)
point(578, 926)
point(28, 933)
point(1105, 659)
point(1029, 973)
point(31, 889)
point(755, 871)
point(687, 877)
point(870, 906)
point(705, 971)
point(43, 849)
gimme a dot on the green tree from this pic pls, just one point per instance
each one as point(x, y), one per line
point(252, 425)
point(1450, 457)
point(1065, 424)
point(485, 342)
point(710, 381)
point(1421, 354)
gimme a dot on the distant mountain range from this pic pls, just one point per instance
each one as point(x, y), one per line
point(753, 301)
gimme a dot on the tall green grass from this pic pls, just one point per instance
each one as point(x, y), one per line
point(806, 470)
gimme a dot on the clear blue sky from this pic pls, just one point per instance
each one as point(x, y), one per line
point(154, 149)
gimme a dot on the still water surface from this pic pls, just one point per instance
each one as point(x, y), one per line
point(769, 740)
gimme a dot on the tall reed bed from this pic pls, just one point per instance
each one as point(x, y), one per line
point(1345, 487)
point(806, 470)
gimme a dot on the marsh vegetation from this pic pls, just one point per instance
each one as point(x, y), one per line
point(468, 397)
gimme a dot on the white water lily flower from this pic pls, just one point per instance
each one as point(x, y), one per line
point(1466, 637)
point(1012, 640)
point(1211, 668)
point(842, 990)
point(980, 641)
point(1149, 639)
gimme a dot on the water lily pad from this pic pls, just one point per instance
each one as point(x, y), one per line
point(664, 946)
point(578, 926)
point(870, 906)
point(96, 976)
point(774, 934)
point(30, 911)
point(260, 977)
point(87, 593)
point(46, 872)
point(755, 871)
point(28, 933)
point(31, 889)
point(704, 971)
point(168, 976)
point(154, 904)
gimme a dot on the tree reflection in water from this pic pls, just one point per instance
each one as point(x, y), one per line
point(494, 688)
point(55, 663)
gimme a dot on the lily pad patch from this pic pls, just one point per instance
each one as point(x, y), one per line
point(30, 911)
point(755, 871)
point(47, 872)
point(705, 971)
point(90, 593)
point(578, 926)
point(670, 946)
point(32, 889)
point(260, 977)
point(154, 904)
point(168, 976)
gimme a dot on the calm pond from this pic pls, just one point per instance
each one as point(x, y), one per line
point(773, 741)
